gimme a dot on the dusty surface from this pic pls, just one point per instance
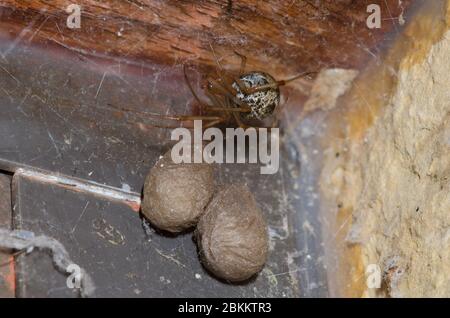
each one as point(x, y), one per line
point(329, 85)
point(390, 182)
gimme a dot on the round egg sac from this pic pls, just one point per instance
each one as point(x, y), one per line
point(175, 195)
point(232, 235)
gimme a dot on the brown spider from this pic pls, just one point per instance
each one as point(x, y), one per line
point(253, 95)
point(241, 97)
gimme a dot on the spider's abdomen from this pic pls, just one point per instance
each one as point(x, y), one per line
point(262, 103)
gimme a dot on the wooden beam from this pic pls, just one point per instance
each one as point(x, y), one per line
point(282, 37)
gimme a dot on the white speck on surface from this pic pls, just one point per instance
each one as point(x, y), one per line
point(401, 19)
point(67, 140)
point(126, 187)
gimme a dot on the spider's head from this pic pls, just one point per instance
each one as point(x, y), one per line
point(262, 102)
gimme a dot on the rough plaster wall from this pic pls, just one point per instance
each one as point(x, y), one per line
point(402, 209)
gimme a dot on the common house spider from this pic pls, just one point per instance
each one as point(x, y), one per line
point(239, 97)
point(253, 95)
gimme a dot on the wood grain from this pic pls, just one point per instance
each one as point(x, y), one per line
point(282, 37)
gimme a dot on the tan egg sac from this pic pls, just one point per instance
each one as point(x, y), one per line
point(232, 235)
point(175, 195)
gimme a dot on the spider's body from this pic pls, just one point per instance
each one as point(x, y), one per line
point(262, 103)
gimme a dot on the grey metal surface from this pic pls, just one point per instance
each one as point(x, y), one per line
point(126, 258)
point(55, 116)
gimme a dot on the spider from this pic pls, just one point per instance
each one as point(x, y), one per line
point(253, 95)
point(240, 97)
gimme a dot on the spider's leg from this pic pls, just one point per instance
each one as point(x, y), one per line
point(241, 85)
point(277, 115)
point(194, 117)
point(151, 116)
point(213, 120)
point(275, 85)
point(245, 126)
point(260, 88)
point(201, 103)
point(224, 108)
point(236, 118)
point(219, 66)
point(226, 78)
point(206, 105)
point(223, 73)
point(239, 121)
point(220, 89)
point(304, 74)
point(213, 123)
point(243, 62)
point(158, 116)
point(231, 109)
point(216, 60)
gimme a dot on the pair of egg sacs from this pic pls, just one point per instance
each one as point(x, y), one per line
point(231, 233)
